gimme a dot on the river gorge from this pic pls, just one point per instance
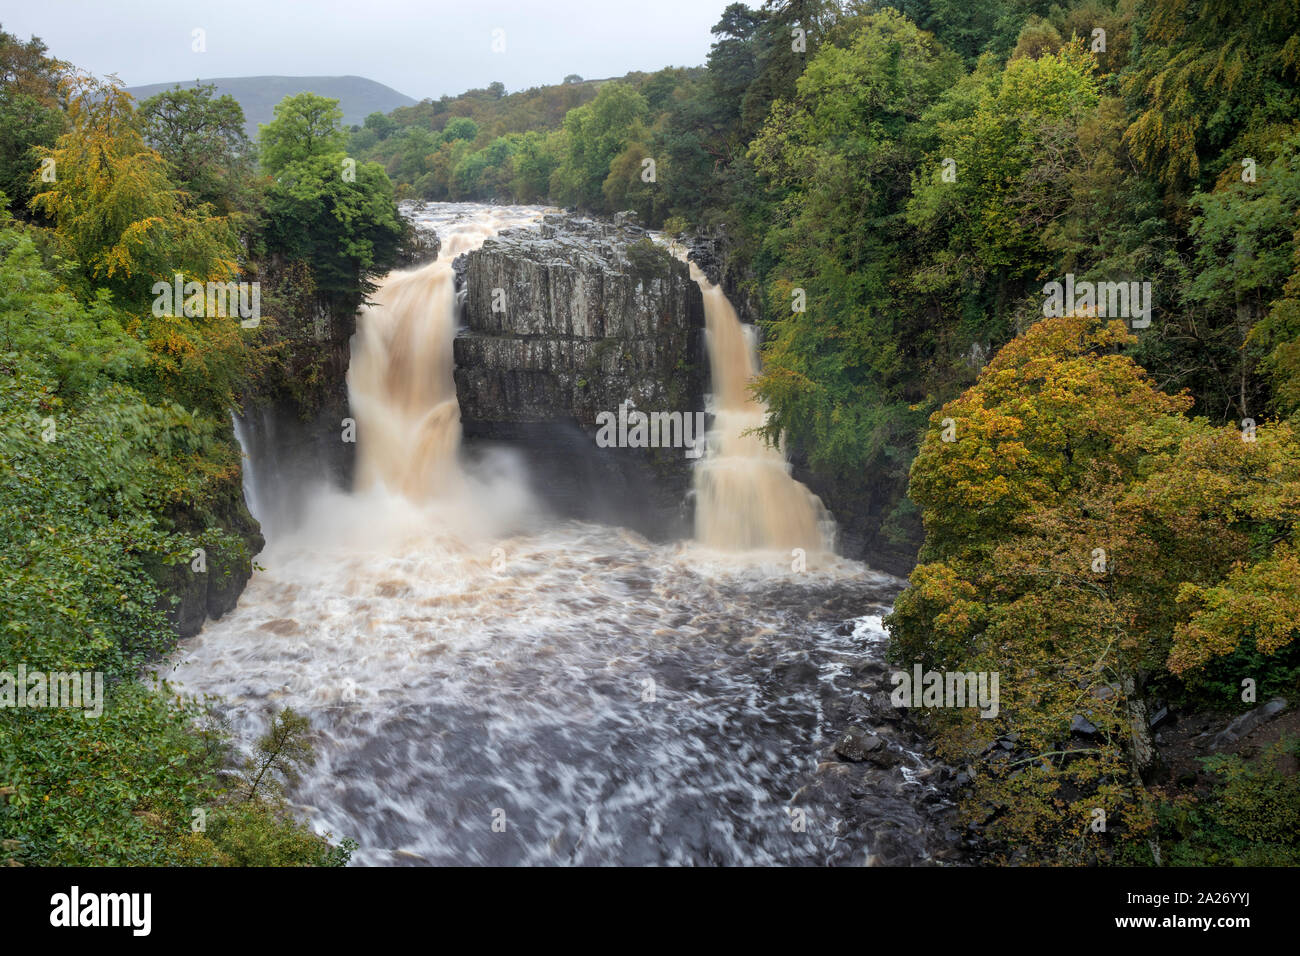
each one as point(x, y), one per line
point(515, 647)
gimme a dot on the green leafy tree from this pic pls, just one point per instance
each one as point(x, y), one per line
point(460, 128)
point(306, 126)
point(1215, 82)
point(201, 136)
point(31, 113)
point(834, 373)
point(1243, 250)
point(348, 229)
point(593, 136)
point(1002, 133)
point(536, 157)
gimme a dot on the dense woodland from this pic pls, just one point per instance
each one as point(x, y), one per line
point(1107, 516)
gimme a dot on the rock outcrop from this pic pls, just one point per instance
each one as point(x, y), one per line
point(568, 320)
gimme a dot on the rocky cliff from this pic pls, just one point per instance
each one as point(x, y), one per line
point(568, 320)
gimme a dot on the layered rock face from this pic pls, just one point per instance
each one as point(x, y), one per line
point(568, 320)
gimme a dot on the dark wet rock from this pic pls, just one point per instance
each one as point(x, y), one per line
point(887, 712)
point(859, 709)
point(212, 590)
point(856, 744)
point(884, 757)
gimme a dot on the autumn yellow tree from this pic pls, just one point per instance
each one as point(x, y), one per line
point(115, 212)
point(1019, 480)
point(127, 226)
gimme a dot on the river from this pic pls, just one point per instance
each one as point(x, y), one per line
point(489, 685)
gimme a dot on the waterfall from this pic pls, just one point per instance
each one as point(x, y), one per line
point(401, 388)
point(745, 497)
point(400, 381)
point(618, 700)
point(248, 472)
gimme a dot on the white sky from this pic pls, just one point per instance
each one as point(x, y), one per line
point(418, 48)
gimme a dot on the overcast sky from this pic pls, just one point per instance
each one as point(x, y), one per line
point(419, 48)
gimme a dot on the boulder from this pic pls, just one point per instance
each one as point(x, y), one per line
point(1246, 723)
point(857, 744)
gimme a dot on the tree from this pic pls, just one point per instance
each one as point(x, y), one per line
point(973, 27)
point(1243, 251)
point(1215, 82)
point(1067, 503)
point(837, 156)
point(348, 230)
point(778, 62)
point(201, 136)
point(25, 70)
point(484, 174)
point(1278, 336)
point(1002, 132)
point(31, 114)
point(734, 59)
point(460, 128)
point(1015, 506)
point(536, 158)
point(624, 187)
point(593, 136)
point(115, 211)
point(282, 753)
point(305, 126)
point(381, 124)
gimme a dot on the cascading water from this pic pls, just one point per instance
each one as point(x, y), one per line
point(745, 498)
point(487, 688)
point(400, 381)
point(252, 497)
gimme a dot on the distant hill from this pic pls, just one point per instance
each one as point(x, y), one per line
point(357, 96)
